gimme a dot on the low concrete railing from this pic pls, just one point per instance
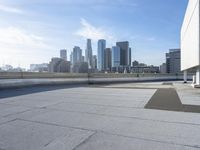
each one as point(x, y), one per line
point(21, 79)
point(38, 75)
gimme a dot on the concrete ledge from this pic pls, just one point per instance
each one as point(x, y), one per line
point(128, 80)
point(18, 83)
point(195, 85)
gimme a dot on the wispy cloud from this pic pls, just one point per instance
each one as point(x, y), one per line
point(88, 30)
point(10, 9)
point(18, 37)
point(19, 46)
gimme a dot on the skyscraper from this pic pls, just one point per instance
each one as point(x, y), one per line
point(124, 53)
point(77, 55)
point(100, 54)
point(130, 57)
point(94, 62)
point(107, 59)
point(63, 54)
point(115, 56)
point(88, 53)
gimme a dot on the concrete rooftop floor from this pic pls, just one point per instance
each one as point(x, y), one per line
point(106, 117)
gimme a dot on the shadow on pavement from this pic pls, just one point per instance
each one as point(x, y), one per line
point(5, 93)
point(168, 99)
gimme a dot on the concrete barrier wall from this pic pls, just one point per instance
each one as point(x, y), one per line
point(32, 75)
point(22, 79)
point(37, 75)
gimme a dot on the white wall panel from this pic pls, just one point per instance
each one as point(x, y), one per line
point(190, 45)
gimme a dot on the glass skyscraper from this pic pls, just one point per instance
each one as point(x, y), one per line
point(100, 54)
point(88, 53)
point(124, 53)
point(77, 55)
point(115, 56)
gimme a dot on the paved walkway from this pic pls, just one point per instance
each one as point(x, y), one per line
point(95, 118)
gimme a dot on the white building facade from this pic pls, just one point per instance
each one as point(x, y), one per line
point(190, 41)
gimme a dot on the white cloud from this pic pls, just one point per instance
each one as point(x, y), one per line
point(87, 30)
point(17, 37)
point(18, 46)
point(10, 9)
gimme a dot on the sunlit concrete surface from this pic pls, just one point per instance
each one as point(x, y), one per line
point(96, 117)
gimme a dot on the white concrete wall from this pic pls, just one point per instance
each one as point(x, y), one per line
point(190, 50)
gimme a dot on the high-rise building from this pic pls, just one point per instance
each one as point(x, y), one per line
point(107, 59)
point(71, 58)
point(59, 65)
point(130, 57)
point(100, 54)
point(124, 53)
point(77, 55)
point(88, 53)
point(115, 56)
point(63, 54)
point(83, 59)
point(173, 61)
point(94, 61)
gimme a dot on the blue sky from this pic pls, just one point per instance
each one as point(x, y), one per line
point(33, 31)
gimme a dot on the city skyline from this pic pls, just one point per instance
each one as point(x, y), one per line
point(33, 31)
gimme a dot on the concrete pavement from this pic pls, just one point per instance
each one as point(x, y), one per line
point(83, 118)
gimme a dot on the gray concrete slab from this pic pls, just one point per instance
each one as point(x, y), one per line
point(4, 120)
point(93, 118)
point(147, 129)
point(105, 141)
point(187, 94)
point(22, 135)
point(6, 110)
point(124, 112)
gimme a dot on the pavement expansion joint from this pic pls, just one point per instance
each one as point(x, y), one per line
point(85, 141)
point(152, 140)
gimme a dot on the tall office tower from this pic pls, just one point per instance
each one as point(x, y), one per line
point(130, 56)
point(173, 61)
point(100, 54)
point(71, 57)
point(83, 59)
point(107, 59)
point(88, 53)
point(63, 54)
point(94, 62)
point(77, 55)
point(115, 56)
point(124, 53)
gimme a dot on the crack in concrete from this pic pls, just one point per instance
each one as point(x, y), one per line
point(85, 141)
